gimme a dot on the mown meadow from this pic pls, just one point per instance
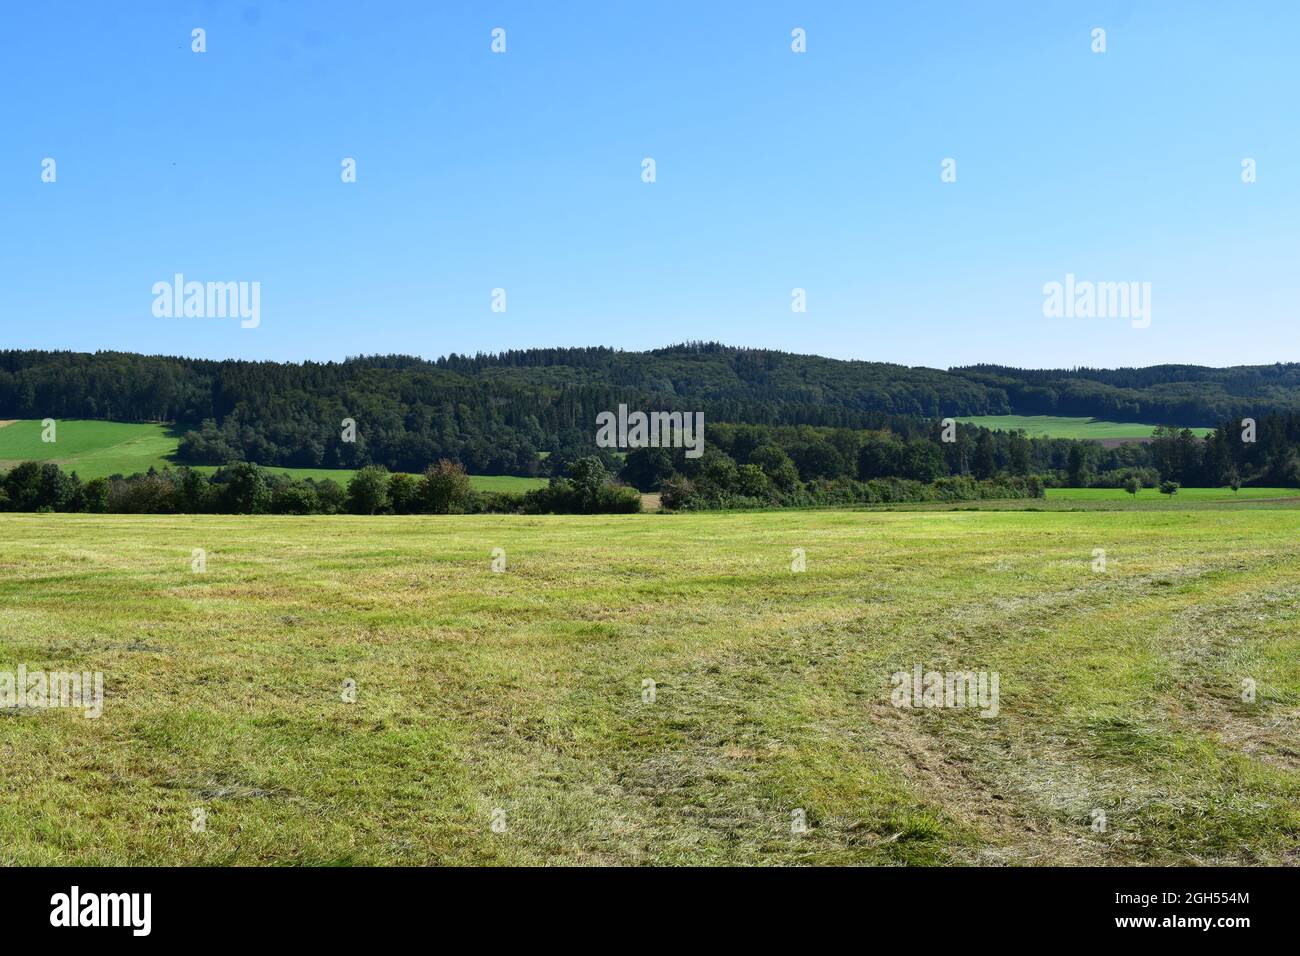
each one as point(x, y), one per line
point(1057, 426)
point(655, 688)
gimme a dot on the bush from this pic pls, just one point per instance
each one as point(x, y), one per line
point(195, 495)
point(246, 489)
point(496, 502)
point(645, 468)
point(368, 491)
point(587, 489)
point(153, 493)
point(404, 493)
point(777, 466)
point(295, 498)
point(332, 497)
point(445, 488)
point(23, 486)
point(752, 483)
point(675, 493)
point(618, 500)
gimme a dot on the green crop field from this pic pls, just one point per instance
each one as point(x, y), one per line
point(92, 449)
point(506, 483)
point(95, 449)
point(1050, 426)
point(656, 688)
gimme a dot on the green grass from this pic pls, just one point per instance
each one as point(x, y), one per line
point(506, 483)
point(522, 691)
point(1059, 427)
point(1184, 494)
point(92, 449)
point(95, 449)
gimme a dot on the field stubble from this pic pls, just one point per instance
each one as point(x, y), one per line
point(520, 698)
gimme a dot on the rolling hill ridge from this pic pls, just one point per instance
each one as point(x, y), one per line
point(496, 413)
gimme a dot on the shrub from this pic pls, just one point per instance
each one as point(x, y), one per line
point(588, 489)
point(153, 493)
point(752, 483)
point(404, 493)
point(368, 491)
point(23, 486)
point(496, 502)
point(246, 489)
point(777, 466)
point(445, 488)
point(331, 496)
point(675, 493)
point(645, 468)
point(618, 499)
point(195, 495)
point(295, 498)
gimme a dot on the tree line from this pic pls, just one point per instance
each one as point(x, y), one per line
point(586, 487)
point(742, 466)
point(798, 464)
point(245, 488)
point(533, 411)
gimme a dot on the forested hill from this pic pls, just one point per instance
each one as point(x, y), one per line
point(1159, 394)
point(495, 412)
point(1188, 395)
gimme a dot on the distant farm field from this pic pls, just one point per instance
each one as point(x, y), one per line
point(655, 688)
point(1047, 426)
point(1184, 494)
point(95, 449)
point(506, 483)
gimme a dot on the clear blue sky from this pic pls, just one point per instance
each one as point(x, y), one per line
point(774, 170)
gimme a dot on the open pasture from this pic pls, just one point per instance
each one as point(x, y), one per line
point(655, 688)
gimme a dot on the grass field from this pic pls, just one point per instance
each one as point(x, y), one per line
point(1184, 494)
point(520, 697)
point(506, 482)
point(1055, 427)
point(1143, 503)
point(95, 449)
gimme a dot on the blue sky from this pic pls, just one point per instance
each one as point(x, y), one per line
point(774, 170)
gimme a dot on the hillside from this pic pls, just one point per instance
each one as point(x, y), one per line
point(1158, 395)
point(498, 413)
point(90, 448)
